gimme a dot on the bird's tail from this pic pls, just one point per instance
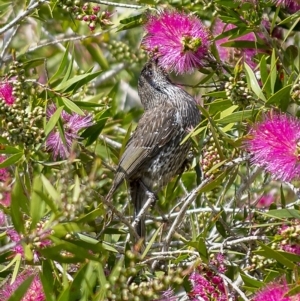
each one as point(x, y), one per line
point(139, 198)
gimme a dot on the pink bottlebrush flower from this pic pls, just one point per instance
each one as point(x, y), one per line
point(206, 284)
point(4, 182)
point(274, 145)
point(180, 41)
point(72, 124)
point(34, 293)
point(291, 6)
point(274, 292)
point(6, 92)
point(230, 54)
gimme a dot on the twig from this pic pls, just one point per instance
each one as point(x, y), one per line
point(116, 4)
point(10, 34)
point(188, 200)
point(59, 41)
point(120, 216)
point(189, 212)
point(23, 15)
point(142, 211)
point(237, 241)
point(111, 142)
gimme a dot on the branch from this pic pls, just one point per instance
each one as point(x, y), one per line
point(23, 15)
point(132, 6)
point(188, 200)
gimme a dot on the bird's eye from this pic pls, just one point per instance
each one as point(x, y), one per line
point(149, 71)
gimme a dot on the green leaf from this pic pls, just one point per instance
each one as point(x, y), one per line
point(19, 204)
point(273, 72)
point(221, 229)
point(20, 292)
point(252, 81)
point(6, 149)
point(50, 189)
point(237, 116)
point(37, 205)
point(11, 160)
point(250, 281)
point(279, 95)
point(47, 279)
point(64, 296)
point(265, 75)
point(53, 121)
point(131, 22)
point(72, 106)
point(292, 292)
point(201, 248)
point(78, 81)
point(245, 44)
point(219, 105)
point(282, 213)
point(152, 240)
point(92, 133)
point(282, 197)
point(80, 278)
point(64, 62)
point(270, 253)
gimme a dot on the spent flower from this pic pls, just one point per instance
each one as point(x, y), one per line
point(72, 124)
point(274, 145)
point(180, 41)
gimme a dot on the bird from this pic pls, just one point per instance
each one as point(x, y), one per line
point(154, 153)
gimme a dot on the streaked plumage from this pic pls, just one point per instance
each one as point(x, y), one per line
point(154, 154)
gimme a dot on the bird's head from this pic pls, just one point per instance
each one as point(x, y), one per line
point(153, 74)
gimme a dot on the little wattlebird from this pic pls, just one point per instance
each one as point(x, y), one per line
point(155, 153)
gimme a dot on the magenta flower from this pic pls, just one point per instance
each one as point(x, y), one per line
point(34, 293)
point(180, 41)
point(274, 292)
point(274, 145)
point(230, 54)
point(291, 6)
point(6, 90)
point(206, 284)
point(72, 124)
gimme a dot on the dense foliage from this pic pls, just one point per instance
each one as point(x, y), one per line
point(228, 228)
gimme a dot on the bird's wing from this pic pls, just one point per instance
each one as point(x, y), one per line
point(155, 129)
